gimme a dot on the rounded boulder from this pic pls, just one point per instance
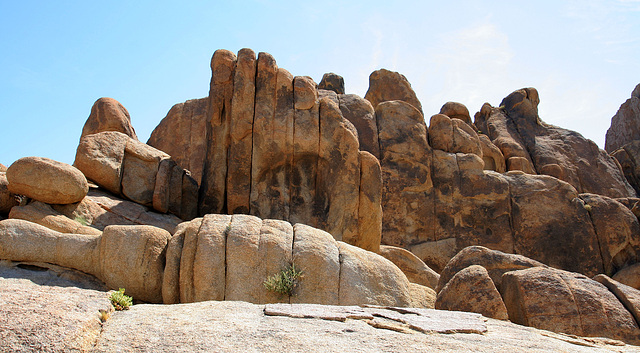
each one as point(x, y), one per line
point(46, 180)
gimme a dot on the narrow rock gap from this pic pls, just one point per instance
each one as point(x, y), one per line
point(225, 233)
point(512, 223)
point(595, 231)
point(253, 121)
point(293, 241)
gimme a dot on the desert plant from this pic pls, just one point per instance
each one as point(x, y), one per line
point(285, 281)
point(120, 301)
point(81, 220)
point(587, 207)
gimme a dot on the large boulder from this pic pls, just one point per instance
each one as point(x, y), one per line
point(130, 257)
point(107, 114)
point(629, 276)
point(472, 290)
point(385, 85)
point(46, 180)
point(629, 158)
point(561, 301)
point(628, 296)
point(625, 125)
point(362, 115)
point(332, 82)
point(496, 263)
point(411, 265)
point(455, 110)
point(453, 135)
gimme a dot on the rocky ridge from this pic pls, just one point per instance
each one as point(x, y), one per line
point(370, 202)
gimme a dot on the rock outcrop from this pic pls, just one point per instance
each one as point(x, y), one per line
point(472, 290)
point(625, 125)
point(273, 149)
point(538, 296)
point(7, 199)
point(139, 172)
point(566, 302)
point(518, 131)
point(107, 114)
point(385, 85)
point(46, 180)
point(332, 82)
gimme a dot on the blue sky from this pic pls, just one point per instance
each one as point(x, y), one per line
point(58, 57)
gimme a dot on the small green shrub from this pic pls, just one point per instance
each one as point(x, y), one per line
point(285, 281)
point(587, 207)
point(81, 220)
point(120, 301)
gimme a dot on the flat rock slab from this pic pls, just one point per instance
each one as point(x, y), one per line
point(46, 311)
point(243, 327)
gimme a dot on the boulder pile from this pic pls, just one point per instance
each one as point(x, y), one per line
point(503, 214)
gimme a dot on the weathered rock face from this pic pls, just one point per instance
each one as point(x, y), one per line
point(628, 296)
point(455, 110)
point(7, 199)
point(472, 290)
point(222, 257)
point(628, 157)
point(617, 231)
point(519, 132)
point(362, 115)
point(107, 114)
point(566, 302)
point(625, 125)
point(182, 135)
point(332, 82)
point(44, 214)
point(100, 209)
point(385, 85)
point(453, 135)
point(629, 276)
point(138, 172)
point(275, 150)
point(46, 180)
point(406, 174)
point(495, 262)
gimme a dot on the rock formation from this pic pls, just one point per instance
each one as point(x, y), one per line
point(138, 172)
point(625, 125)
point(107, 114)
point(332, 82)
point(539, 296)
point(385, 85)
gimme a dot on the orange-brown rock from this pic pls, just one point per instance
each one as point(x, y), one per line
point(629, 275)
point(628, 156)
point(100, 209)
point(7, 199)
point(455, 110)
point(385, 85)
point(617, 231)
point(369, 204)
point(558, 152)
point(46, 180)
point(44, 214)
point(548, 219)
point(453, 135)
point(495, 262)
point(561, 301)
point(472, 290)
point(332, 82)
point(139, 172)
point(182, 135)
point(628, 296)
point(491, 155)
point(406, 174)
point(241, 133)
point(336, 202)
point(362, 115)
point(625, 125)
point(272, 140)
point(411, 265)
point(107, 114)
point(214, 173)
